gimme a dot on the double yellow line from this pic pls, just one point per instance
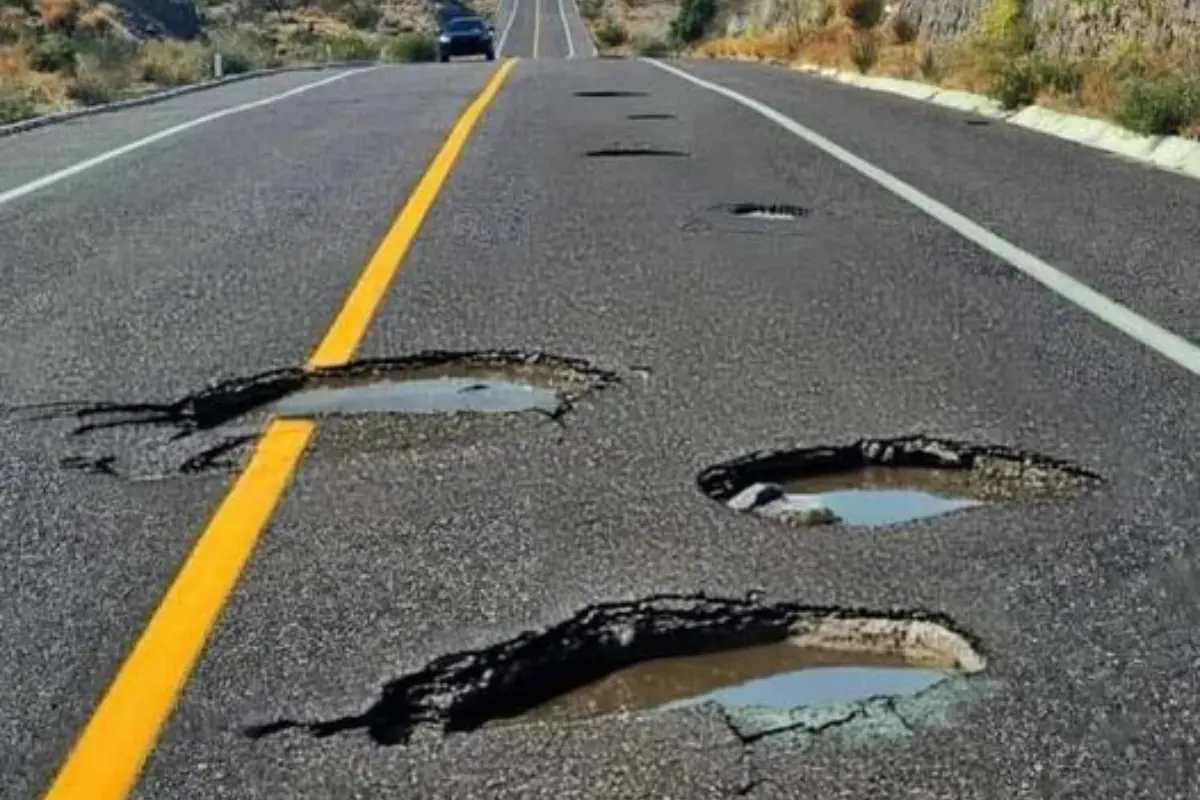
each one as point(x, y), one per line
point(109, 755)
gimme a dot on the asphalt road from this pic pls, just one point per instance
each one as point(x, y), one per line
point(228, 248)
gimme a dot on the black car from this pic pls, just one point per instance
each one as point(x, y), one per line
point(466, 36)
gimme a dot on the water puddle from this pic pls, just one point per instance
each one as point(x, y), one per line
point(887, 496)
point(780, 676)
point(887, 481)
point(439, 395)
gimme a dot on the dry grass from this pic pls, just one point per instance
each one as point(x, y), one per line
point(1148, 91)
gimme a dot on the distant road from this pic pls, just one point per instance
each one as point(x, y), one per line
point(140, 269)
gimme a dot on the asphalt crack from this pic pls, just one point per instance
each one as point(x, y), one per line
point(463, 691)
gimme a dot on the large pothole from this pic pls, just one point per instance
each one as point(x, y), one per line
point(427, 396)
point(876, 482)
point(750, 658)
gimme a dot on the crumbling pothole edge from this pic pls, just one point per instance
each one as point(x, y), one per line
point(222, 402)
point(461, 692)
point(725, 480)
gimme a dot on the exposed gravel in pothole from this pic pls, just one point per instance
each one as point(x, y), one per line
point(876, 482)
point(770, 667)
point(437, 394)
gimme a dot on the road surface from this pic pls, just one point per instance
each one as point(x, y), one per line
point(229, 247)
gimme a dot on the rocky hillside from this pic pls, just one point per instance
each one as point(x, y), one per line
point(59, 53)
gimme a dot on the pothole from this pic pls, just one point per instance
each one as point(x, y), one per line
point(649, 116)
point(669, 652)
point(775, 212)
point(622, 152)
point(609, 93)
point(444, 393)
point(876, 482)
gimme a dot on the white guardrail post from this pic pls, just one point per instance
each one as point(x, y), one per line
point(218, 67)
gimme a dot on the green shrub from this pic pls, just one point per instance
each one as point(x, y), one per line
point(1159, 105)
point(412, 47)
point(352, 47)
point(173, 63)
point(1005, 28)
point(1017, 82)
point(362, 16)
point(591, 9)
point(651, 47)
point(16, 103)
point(53, 52)
point(611, 34)
point(97, 82)
point(693, 19)
point(240, 53)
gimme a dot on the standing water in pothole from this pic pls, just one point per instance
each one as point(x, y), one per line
point(780, 676)
point(887, 495)
point(443, 395)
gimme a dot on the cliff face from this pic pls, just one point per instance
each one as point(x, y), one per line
point(1064, 27)
point(1072, 27)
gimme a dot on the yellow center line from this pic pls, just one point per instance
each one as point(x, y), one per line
point(109, 755)
point(537, 25)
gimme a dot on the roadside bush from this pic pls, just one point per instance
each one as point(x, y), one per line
point(1018, 82)
point(99, 82)
point(611, 34)
point(362, 16)
point(693, 19)
point(16, 102)
point(864, 52)
point(352, 47)
point(591, 9)
point(173, 63)
point(651, 47)
point(411, 48)
point(53, 52)
point(1162, 105)
point(240, 53)
point(863, 14)
point(1004, 28)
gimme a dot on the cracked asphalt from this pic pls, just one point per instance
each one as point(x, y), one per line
point(227, 249)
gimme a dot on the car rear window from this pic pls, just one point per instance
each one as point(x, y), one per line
point(464, 25)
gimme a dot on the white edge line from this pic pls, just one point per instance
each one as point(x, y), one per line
point(591, 41)
point(562, 15)
point(95, 161)
point(512, 15)
point(56, 117)
point(1164, 342)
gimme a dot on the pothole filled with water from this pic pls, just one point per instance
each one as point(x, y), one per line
point(887, 482)
point(443, 392)
point(670, 652)
point(780, 677)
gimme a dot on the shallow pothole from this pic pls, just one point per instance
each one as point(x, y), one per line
point(609, 93)
point(876, 482)
point(776, 212)
point(443, 393)
point(668, 652)
point(635, 152)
